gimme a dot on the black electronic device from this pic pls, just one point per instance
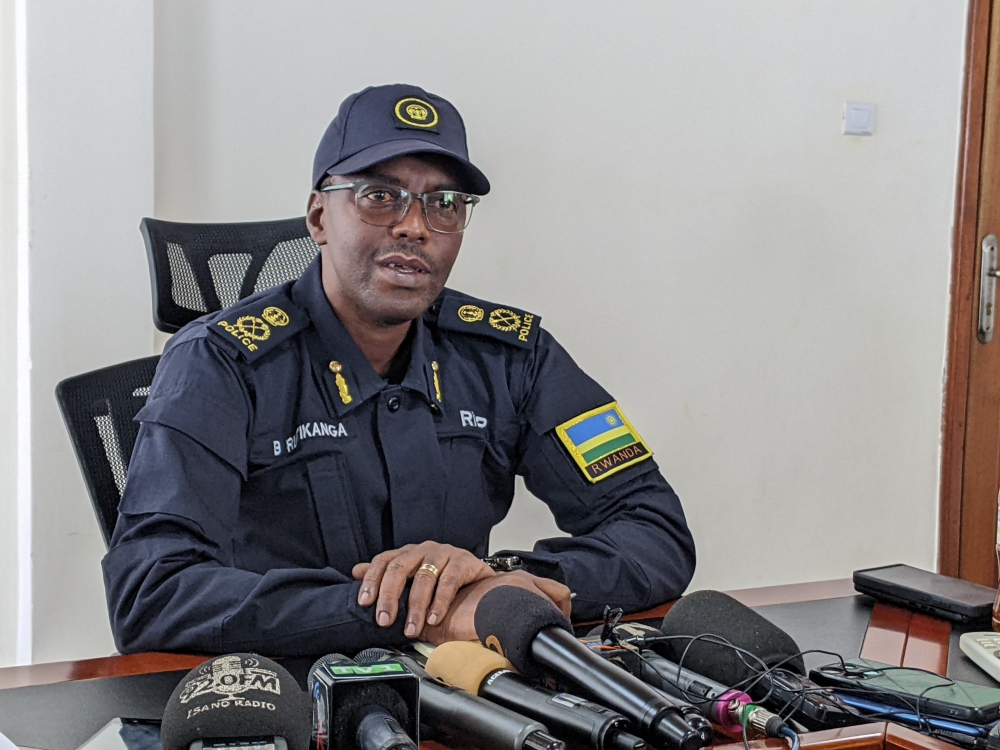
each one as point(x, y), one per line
point(956, 732)
point(537, 637)
point(364, 706)
point(942, 596)
point(237, 701)
point(993, 738)
point(810, 705)
point(125, 734)
point(913, 689)
point(466, 718)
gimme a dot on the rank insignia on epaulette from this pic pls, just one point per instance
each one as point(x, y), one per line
point(516, 327)
point(602, 442)
point(256, 331)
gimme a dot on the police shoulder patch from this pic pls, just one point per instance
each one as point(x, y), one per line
point(508, 324)
point(602, 442)
point(257, 325)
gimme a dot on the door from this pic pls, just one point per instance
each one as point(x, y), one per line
point(970, 477)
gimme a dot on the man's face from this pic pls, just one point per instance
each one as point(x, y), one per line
point(387, 275)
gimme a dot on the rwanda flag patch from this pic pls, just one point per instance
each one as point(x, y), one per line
point(602, 441)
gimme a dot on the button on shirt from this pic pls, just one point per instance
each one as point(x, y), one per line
point(272, 458)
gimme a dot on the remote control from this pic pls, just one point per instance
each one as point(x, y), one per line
point(983, 648)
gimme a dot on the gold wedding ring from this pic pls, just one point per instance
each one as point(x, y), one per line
point(430, 569)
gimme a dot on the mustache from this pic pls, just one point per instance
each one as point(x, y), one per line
point(405, 248)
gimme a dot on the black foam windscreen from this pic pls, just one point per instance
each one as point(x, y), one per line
point(350, 706)
point(348, 713)
point(715, 613)
point(507, 620)
point(235, 697)
point(373, 655)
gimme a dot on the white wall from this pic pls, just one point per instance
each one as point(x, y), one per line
point(90, 155)
point(8, 336)
point(766, 297)
point(672, 193)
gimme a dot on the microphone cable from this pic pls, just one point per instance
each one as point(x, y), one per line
point(792, 736)
point(924, 724)
point(746, 712)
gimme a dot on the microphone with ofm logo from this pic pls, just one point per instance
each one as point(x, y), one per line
point(242, 700)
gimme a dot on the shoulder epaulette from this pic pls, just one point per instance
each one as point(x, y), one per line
point(257, 325)
point(469, 315)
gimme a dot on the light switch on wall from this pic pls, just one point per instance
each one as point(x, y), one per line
point(859, 118)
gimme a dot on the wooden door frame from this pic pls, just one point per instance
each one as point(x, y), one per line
point(963, 322)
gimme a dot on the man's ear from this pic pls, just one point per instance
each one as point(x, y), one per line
point(316, 217)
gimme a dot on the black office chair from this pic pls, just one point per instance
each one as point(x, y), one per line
point(200, 268)
point(98, 408)
point(194, 269)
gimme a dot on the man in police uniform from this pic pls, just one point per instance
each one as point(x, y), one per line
point(319, 467)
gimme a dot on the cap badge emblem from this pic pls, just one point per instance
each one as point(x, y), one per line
point(416, 113)
point(470, 313)
point(275, 316)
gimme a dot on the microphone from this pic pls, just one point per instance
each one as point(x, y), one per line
point(467, 718)
point(534, 635)
point(237, 701)
point(715, 613)
point(726, 707)
point(723, 619)
point(485, 673)
point(361, 707)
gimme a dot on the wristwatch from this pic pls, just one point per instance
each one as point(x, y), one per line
point(504, 563)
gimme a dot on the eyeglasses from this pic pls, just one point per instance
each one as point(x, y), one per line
point(446, 211)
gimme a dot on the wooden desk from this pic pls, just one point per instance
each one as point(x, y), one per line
point(894, 636)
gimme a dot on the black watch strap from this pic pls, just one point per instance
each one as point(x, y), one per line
point(506, 561)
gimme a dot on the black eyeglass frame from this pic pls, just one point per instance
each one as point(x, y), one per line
point(407, 196)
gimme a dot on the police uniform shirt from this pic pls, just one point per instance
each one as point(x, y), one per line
point(272, 458)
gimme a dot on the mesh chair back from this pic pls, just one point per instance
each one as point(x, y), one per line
point(98, 408)
point(200, 268)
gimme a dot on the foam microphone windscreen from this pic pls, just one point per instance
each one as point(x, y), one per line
point(234, 697)
point(349, 707)
point(373, 655)
point(715, 613)
point(507, 620)
point(464, 664)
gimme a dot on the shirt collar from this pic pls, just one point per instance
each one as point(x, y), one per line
point(338, 360)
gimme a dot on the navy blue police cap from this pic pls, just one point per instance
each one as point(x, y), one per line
point(383, 122)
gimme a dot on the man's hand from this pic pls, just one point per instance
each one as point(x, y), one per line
point(460, 622)
point(386, 576)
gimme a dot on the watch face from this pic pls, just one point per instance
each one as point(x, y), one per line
point(503, 564)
